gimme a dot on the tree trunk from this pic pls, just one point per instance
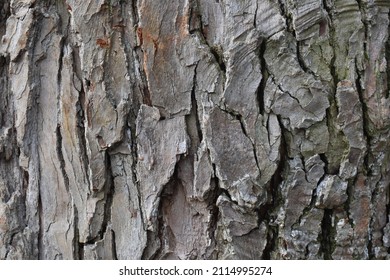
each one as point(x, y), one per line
point(194, 129)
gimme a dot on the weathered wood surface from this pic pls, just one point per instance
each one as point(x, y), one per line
point(194, 129)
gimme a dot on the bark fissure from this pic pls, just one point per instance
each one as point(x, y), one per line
point(193, 116)
point(365, 122)
point(264, 73)
point(77, 252)
point(5, 12)
point(216, 50)
point(61, 157)
point(255, 15)
point(109, 194)
point(81, 132)
point(165, 196)
point(214, 209)
point(347, 204)
point(41, 226)
point(388, 205)
point(370, 246)
point(387, 56)
point(133, 65)
point(285, 13)
point(59, 143)
point(327, 237)
point(81, 251)
point(269, 212)
point(214, 217)
point(219, 58)
point(113, 246)
point(31, 142)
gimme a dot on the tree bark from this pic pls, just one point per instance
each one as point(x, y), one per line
point(194, 129)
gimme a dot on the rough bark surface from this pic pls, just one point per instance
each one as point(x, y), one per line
point(194, 129)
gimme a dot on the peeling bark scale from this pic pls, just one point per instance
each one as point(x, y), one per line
point(195, 129)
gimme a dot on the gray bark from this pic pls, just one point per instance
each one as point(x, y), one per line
point(194, 129)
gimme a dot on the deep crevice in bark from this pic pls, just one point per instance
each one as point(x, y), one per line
point(113, 246)
point(388, 204)
point(255, 15)
point(147, 254)
point(284, 14)
point(41, 226)
point(166, 194)
point(324, 159)
point(77, 253)
point(327, 238)
point(375, 197)
point(60, 156)
point(134, 155)
point(137, 51)
point(81, 251)
point(30, 147)
point(347, 204)
point(264, 73)
point(10, 241)
point(81, 133)
point(219, 58)
point(142, 86)
point(81, 107)
point(387, 212)
point(59, 143)
point(109, 194)
point(267, 214)
point(370, 249)
point(25, 181)
point(132, 57)
point(108, 199)
point(215, 51)
point(5, 12)
point(366, 124)
point(271, 243)
point(214, 211)
point(195, 102)
point(387, 56)
point(269, 211)
point(192, 120)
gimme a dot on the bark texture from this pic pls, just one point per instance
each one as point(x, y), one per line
point(194, 129)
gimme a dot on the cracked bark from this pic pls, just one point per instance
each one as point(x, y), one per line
point(194, 129)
